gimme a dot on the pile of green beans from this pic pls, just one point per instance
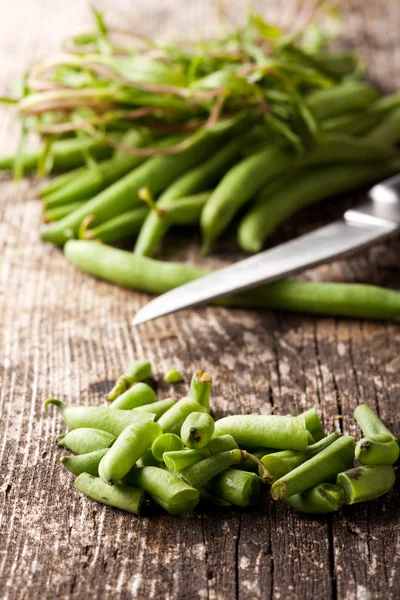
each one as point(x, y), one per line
point(210, 140)
point(141, 449)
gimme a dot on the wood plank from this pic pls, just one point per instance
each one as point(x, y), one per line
point(66, 334)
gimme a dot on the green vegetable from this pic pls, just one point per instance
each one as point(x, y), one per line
point(64, 154)
point(313, 424)
point(97, 417)
point(85, 439)
point(279, 464)
point(157, 277)
point(137, 371)
point(321, 499)
point(119, 496)
point(380, 446)
point(269, 431)
point(366, 483)
point(239, 488)
point(84, 463)
point(167, 490)
point(59, 181)
point(59, 212)
point(158, 408)
point(167, 442)
point(200, 388)
point(180, 459)
point(334, 101)
point(172, 420)
point(138, 395)
point(127, 449)
point(173, 376)
point(201, 472)
point(322, 467)
point(119, 227)
point(197, 430)
point(278, 201)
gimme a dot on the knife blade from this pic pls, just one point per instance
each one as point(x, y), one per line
point(376, 219)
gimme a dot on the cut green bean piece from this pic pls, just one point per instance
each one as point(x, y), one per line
point(158, 408)
point(167, 442)
point(137, 371)
point(197, 430)
point(201, 472)
point(97, 417)
point(148, 460)
point(236, 487)
point(313, 424)
point(372, 451)
point(322, 467)
point(133, 272)
point(165, 488)
point(119, 496)
point(370, 423)
point(130, 445)
point(84, 463)
point(321, 499)
point(173, 376)
point(138, 395)
point(365, 483)
point(279, 464)
point(172, 420)
point(269, 431)
point(180, 459)
point(200, 388)
point(86, 439)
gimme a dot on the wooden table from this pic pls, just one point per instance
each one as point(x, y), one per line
point(65, 334)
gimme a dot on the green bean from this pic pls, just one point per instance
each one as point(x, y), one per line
point(158, 408)
point(139, 394)
point(269, 431)
point(153, 276)
point(279, 464)
point(64, 154)
point(276, 203)
point(137, 371)
point(85, 439)
point(180, 459)
point(236, 487)
point(167, 490)
point(251, 466)
point(201, 472)
point(119, 227)
point(387, 132)
point(313, 424)
point(248, 176)
point(334, 101)
point(171, 421)
point(173, 376)
point(156, 173)
point(366, 483)
point(93, 180)
point(59, 181)
point(373, 451)
point(167, 442)
point(59, 212)
point(370, 423)
point(360, 123)
point(147, 460)
point(200, 388)
point(119, 496)
point(126, 450)
point(379, 446)
point(97, 417)
point(321, 499)
point(196, 180)
point(322, 467)
point(84, 463)
point(197, 430)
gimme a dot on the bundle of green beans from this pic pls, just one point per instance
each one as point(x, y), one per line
point(253, 126)
point(174, 454)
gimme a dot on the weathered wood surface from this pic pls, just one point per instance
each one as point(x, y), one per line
point(67, 335)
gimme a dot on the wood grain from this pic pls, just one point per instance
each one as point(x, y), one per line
point(67, 335)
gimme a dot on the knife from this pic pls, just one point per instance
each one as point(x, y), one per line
point(376, 219)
